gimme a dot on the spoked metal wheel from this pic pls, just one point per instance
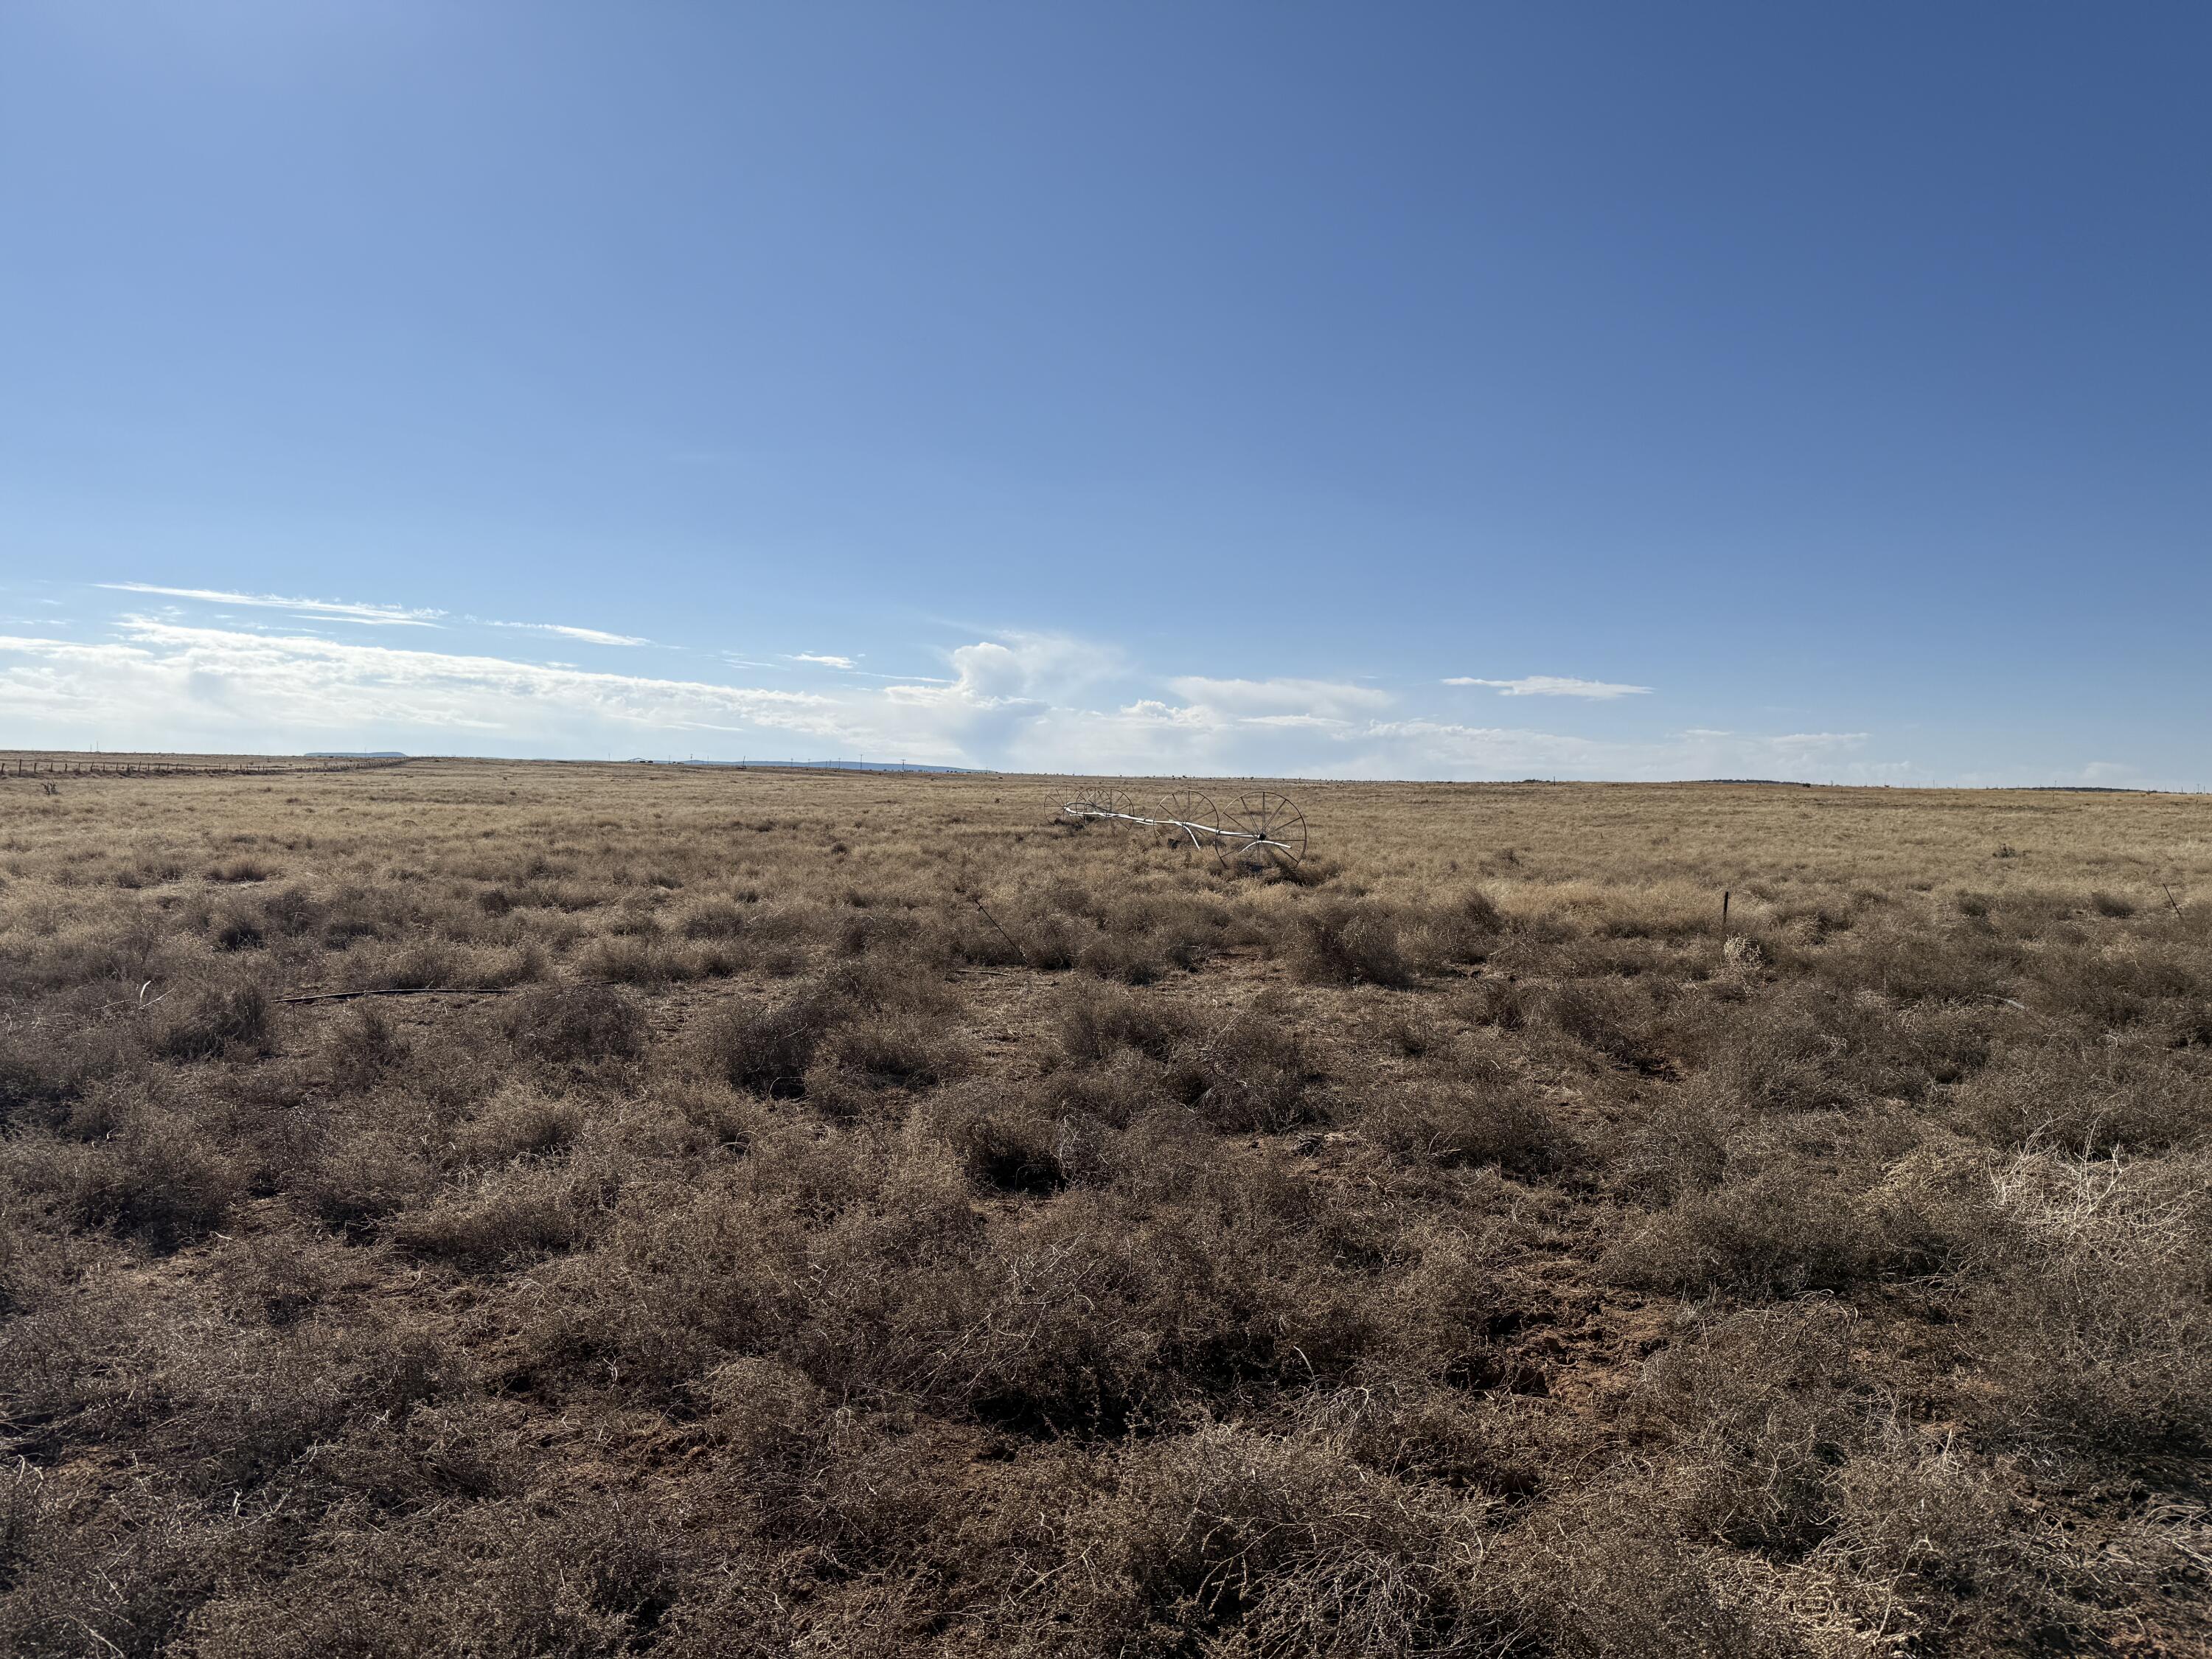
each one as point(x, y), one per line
point(1117, 804)
point(1262, 831)
point(1095, 798)
point(1187, 817)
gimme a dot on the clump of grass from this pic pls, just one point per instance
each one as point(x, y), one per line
point(714, 921)
point(765, 1048)
point(575, 1022)
point(1255, 1071)
point(1464, 930)
point(1349, 942)
point(362, 1178)
point(156, 1176)
point(1132, 960)
point(1007, 1141)
point(2090, 1099)
point(1452, 1123)
point(1287, 1545)
point(360, 1046)
point(207, 1021)
point(1097, 1022)
point(238, 930)
point(1786, 1229)
point(504, 1218)
point(2095, 1327)
point(1613, 1021)
point(517, 1122)
point(886, 1049)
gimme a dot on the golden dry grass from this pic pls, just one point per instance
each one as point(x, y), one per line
point(872, 1216)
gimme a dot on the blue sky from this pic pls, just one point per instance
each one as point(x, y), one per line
point(1403, 390)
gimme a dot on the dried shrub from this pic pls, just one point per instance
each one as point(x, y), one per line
point(238, 930)
point(1959, 965)
point(1496, 1001)
point(765, 1048)
point(290, 913)
point(1276, 1545)
point(1495, 1120)
point(159, 1179)
point(713, 921)
point(43, 1072)
point(2097, 1329)
point(364, 1177)
point(629, 960)
point(1614, 1021)
point(1455, 1310)
point(517, 1122)
point(1805, 1047)
point(1094, 1022)
point(1464, 930)
point(1133, 960)
point(503, 1219)
point(1005, 1141)
point(2089, 1098)
point(890, 1050)
point(1759, 1412)
point(1678, 1147)
point(205, 1022)
point(576, 1023)
point(1348, 942)
point(360, 1046)
point(1255, 1071)
point(1784, 1229)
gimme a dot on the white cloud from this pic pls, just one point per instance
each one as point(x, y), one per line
point(1018, 702)
point(826, 661)
point(1554, 685)
point(587, 635)
point(1257, 699)
point(1414, 748)
point(1809, 740)
point(383, 616)
point(180, 687)
point(380, 616)
point(195, 686)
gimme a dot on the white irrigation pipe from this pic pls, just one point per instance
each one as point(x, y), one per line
point(1250, 838)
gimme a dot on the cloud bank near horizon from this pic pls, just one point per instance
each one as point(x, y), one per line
point(1029, 701)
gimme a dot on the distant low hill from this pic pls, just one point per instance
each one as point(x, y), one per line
point(356, 754)
point(816, 765)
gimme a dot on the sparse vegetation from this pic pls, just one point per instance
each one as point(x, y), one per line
point(868, 1218)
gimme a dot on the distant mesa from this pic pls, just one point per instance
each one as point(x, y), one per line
point(356, 754)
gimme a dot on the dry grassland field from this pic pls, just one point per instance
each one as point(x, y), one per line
point(872, 1217)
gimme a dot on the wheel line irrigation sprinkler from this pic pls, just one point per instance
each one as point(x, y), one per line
point(1254, 831)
